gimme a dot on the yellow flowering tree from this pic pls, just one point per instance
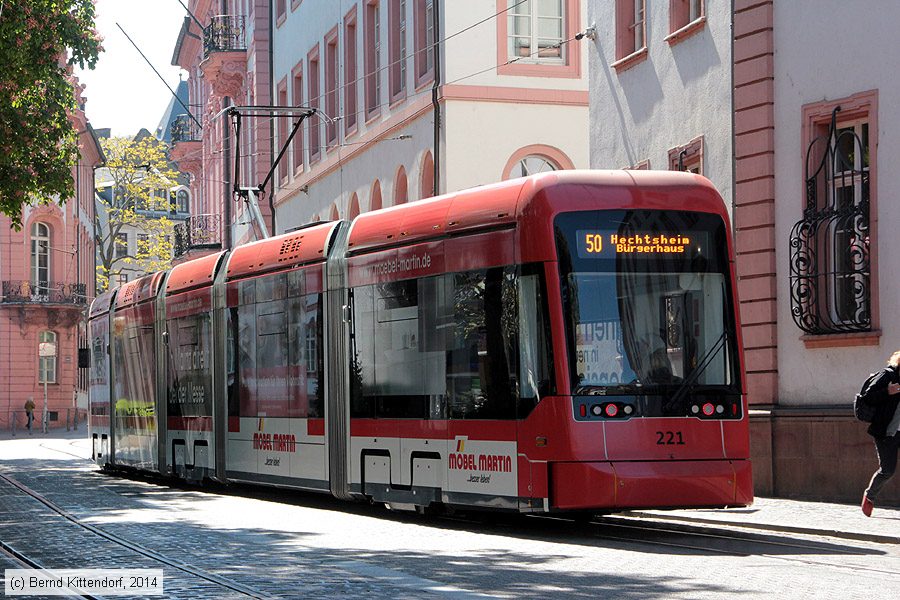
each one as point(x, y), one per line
point(134, 198)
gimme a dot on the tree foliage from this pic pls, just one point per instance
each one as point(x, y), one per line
point(134, 199)
point(41, 40)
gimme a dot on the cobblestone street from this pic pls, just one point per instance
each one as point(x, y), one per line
point(266, 543)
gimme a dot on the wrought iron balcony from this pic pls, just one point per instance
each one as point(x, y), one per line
point(184, 129)
point(198, 231)
point(225, 33)
point(44, 292)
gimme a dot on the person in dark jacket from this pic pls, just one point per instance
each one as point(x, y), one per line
point(885, 428)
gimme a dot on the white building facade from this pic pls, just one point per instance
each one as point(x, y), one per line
point(507, 84)
point(660, 88)
point(755, 86)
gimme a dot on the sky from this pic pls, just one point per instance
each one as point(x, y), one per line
point(122, 92)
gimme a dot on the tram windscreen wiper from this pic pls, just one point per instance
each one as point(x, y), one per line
point(607, 390)
point(688, 384)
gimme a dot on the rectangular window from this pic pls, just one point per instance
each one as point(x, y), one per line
point(189, 379)
point(424, 41)
point(297, 142)
point(536, 31)
point(373, 59)
point(850, 189)
point(631, 27)
point(350, 75)
point(398, 48)
point(315, 139)
point(684, 12)
point(688, 157)
point(280, 9)
point(686, 17)
point(837, 285)
point(331, 87)
point(121, 245)
point(273, 360)
point(143, 244)
point(47, 364)
point(282, 128)
point(470, 345)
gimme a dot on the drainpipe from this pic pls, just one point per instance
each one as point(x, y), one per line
point(435, 93)
point(229, 196)
point(272, 101)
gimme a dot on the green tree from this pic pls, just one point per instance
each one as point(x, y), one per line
point(41, 40)
point(133, 198)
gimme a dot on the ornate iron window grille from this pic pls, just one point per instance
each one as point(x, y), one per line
point(829, 273)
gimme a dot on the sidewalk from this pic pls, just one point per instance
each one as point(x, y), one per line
point(766, 514)
point(58, 433)
point(793, 516)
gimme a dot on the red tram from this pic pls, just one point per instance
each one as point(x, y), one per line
point(568, 341)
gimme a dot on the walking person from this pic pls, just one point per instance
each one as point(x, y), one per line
point(29, 413)
point(885, 428)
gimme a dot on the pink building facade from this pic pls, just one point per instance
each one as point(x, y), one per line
point(47, 274)
point(227, 58)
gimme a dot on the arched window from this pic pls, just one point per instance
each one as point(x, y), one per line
point(335, 215)
point(40, 256)
point(375, 201)
point(47, 364)
point(400, 187)
point(534, 159)
point(426, 181)
point(532, 165)
point(183, 201)
point(353, 212)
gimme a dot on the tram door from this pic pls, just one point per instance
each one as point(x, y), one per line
point(481, 388)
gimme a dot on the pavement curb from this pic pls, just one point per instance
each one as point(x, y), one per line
point(849, 535)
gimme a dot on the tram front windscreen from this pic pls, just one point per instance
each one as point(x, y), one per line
point(649, 307)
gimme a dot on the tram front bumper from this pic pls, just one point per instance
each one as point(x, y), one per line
point(646, 484)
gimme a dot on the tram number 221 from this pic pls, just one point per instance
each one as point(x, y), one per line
point(669, 438)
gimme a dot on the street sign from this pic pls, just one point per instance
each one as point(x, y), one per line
point(46, 349)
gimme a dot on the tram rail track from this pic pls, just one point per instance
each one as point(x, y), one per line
point(25, 562)
point(178, 565)
point(711, 538)
point(798, 547)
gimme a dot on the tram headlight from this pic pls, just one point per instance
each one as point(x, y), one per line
point(597, 410)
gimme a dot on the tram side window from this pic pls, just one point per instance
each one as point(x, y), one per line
point(449, 346)
point(134, 352)
point(245, 332)
point(118, 357)
point(304, 343)
point(190, 361)
point(272, 376)
point(533, 343)
point(393, 372)
point(274, 340)
point(482, 357)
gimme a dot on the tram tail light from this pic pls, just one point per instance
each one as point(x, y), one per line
point(583, 410)
point(712, 410)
